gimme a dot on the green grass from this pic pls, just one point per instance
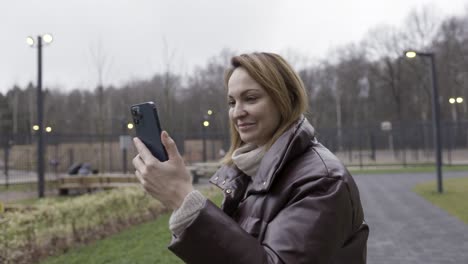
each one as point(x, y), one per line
point(401, 169)
point(18, 187)
point(146, 243)
point(454, 199)
point(24, 187)
point(34, 201)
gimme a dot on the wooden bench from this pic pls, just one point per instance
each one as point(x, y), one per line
point(89, 183)
point(203, 169)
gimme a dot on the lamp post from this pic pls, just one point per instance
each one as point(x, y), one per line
point(453, 100)
point(205, 125)
point(435, 113)
point(126, 126)
point(54, 162)
point(47, 38)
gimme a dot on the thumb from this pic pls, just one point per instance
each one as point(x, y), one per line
point(170, 146)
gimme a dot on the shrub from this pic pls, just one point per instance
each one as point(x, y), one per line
point(50, 227)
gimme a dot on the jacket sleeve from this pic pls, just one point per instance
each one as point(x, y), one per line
point(308, 230)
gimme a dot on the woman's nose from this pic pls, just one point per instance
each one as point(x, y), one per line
point(238, 111)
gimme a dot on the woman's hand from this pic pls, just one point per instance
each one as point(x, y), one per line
point(169, 181)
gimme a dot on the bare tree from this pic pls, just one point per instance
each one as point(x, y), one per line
point(101, 63)
point(421, 27)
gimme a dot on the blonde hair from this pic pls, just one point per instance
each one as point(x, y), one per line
point(282, 84)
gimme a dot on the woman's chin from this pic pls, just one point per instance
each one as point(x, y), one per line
point(247, 139)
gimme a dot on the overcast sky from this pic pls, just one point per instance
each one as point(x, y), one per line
point(130, 34)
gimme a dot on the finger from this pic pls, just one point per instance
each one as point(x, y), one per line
point(138, 163)
point(144, 152)
point(140, 177)
point(170, 146)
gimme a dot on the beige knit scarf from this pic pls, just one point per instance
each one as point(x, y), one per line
point(247, 158)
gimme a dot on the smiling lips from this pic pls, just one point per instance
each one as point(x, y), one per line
point(245, 126)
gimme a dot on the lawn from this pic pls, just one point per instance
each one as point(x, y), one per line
point(454, 199)
point(25, 187)
point(18, 187)
point(146, 243)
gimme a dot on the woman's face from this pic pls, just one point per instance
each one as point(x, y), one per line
point(251, 109)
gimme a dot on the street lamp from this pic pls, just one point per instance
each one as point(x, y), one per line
point(453, 100)
point(457, 100)
point(435, 113)
point(205, 125)
point(47, 39)
point(125, 141)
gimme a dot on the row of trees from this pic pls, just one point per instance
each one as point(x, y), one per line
point(358, 85)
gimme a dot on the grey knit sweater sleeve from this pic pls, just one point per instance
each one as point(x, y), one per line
point(188, 211)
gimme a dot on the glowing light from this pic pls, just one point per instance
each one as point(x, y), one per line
point(206, 123)
point(130, 126)
point(48, 129)
point(47, 38)
point(452, 100)
point(411, 54)
point(210, 112)
point(459, 100)
point(30, 41)
point(35, 127)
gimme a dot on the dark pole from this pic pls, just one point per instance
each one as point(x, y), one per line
point(435, 114)
point(204, 142)
point(40, 141)
point(7, 180)
point(436, 123)
point(124, 149)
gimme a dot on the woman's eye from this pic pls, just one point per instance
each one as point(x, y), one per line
point(251, 98)
point(231, 103)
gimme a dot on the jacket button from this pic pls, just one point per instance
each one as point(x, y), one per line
point(228, 191)
point(223, 182)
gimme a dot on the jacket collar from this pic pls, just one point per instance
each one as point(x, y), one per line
point(292, 143)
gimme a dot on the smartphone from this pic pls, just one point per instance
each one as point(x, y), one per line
point(148, 128)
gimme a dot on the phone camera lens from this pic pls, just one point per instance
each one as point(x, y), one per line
point(136, 109)
point(136, 114)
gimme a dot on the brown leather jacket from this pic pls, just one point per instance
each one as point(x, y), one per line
point(303, 206)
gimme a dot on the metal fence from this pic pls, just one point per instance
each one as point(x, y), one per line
point(406, 144)
point(403, 144)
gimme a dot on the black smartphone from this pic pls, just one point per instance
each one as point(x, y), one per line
point(148, 128)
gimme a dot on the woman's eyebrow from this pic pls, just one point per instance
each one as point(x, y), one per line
point(244, 92)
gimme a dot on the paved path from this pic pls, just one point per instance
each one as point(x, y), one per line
point(405, 228)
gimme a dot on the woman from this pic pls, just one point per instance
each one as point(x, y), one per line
point(287, 199)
